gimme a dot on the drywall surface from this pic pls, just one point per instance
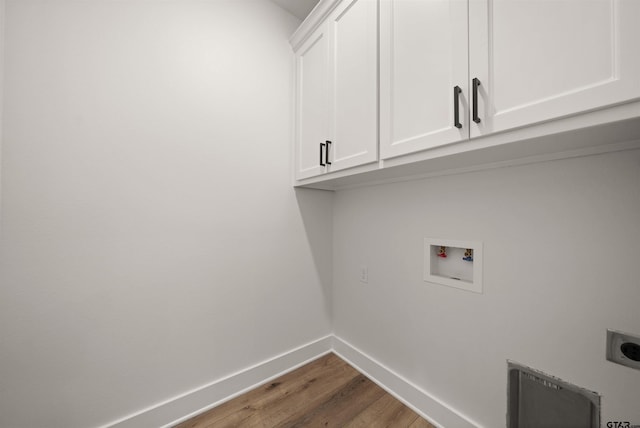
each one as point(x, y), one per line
point(561, 244)
point(2, 26)
point(151, 240)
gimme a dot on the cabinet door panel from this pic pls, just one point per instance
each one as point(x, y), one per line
point(354, 92)
point(312, 104)
point(423, 55)
point(541, 60)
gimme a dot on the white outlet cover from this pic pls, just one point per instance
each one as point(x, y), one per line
point(364, 274)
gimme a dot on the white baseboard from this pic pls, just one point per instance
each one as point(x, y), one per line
point(189, 404)
point(422, 402)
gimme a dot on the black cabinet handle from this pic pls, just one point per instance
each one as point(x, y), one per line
point(476, 83)
point(326, 153)
point(321, 151)
point(456, 107)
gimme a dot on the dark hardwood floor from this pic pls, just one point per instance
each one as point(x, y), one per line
point(327, 392)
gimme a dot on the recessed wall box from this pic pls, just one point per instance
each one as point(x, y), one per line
point(453, 263)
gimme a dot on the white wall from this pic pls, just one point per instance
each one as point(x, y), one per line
point(2, 27)
point(151, 240)
point(561, 245)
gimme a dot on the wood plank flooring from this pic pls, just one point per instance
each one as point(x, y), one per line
point(327, 392)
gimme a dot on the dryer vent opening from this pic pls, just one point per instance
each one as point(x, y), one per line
point(538, 400)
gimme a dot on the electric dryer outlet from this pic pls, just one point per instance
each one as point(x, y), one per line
point(623, 348)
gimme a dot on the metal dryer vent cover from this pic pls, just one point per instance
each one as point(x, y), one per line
point(538, 400)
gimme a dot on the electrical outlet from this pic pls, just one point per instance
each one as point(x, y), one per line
point(623, 348)
point(364, 274)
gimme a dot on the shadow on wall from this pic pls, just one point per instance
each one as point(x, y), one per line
point(316, 209)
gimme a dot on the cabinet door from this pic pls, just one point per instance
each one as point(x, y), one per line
point(541, 60)
point(423, 56)
point(354, 84)
point(312, 103)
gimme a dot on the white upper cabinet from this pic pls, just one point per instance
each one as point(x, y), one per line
point(513, 63)
point(423, 75)
point(337, 91)
point(312, 112)
point(542, 60)
point(453, 84)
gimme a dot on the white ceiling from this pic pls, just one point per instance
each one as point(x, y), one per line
point(299, 8)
